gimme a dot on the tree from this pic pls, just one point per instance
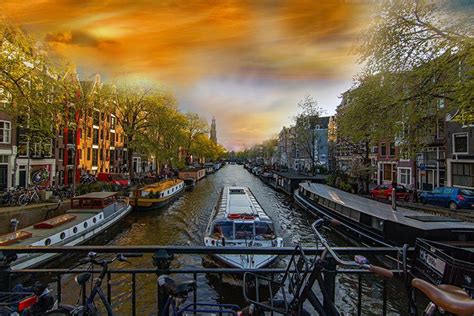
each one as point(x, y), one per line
point(135, 103)
point(305, 127)
point(430, 45)
point(166, 134)
point(364, 118)
point(195, 127)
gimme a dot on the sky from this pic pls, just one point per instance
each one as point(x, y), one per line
point(247, 63)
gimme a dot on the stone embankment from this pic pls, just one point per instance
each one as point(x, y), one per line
point(30, 214)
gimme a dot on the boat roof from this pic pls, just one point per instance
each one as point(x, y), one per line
point(41, 233)
point(384, 211)
point(162, 185)
point(239, 200)
point(96, 195)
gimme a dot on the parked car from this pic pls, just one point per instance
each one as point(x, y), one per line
point(454, 198)
point(114, 178)
point(384, 191)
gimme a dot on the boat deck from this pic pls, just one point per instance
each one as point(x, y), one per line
point(42, 233)
point(384, 211)
point(162, 186)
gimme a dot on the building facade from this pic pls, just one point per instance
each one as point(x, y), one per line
point(460, 154)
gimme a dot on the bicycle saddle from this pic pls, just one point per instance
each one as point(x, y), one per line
point(183, 288)
point(450, 298)
point(82, 278)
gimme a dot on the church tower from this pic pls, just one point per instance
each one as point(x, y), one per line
point(213, 134)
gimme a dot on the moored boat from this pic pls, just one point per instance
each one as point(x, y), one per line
point(239, 221)
point(90, 215)
point(156, 195)
point(373, 223)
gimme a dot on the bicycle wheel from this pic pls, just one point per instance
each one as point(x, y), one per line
point(23, 200)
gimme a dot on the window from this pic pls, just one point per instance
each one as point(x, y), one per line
point(5, 132)
point(392, 149)
point(463, 174)
point(95, 118)
point(460, 143)
point(112, 122)
point(384, 150)
point(112, 139)
point(61, 154)
point(389, 172)
point(95, 157)
point(88, 154)
point(95, 138)
point(404, 176)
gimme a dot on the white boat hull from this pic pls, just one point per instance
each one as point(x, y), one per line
point(33, 259)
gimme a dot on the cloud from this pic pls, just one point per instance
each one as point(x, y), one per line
point(76, 38)
point(247, 62)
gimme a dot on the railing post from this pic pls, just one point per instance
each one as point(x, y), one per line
point(5, 268)
point(161, 260)
point(330, 282)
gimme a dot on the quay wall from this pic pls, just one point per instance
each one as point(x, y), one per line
point(30, 214)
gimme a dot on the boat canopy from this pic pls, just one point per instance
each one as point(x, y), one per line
point(93, 200)
point(238, 203)
point(242, 230)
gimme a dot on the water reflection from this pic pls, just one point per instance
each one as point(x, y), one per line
point(184, 223)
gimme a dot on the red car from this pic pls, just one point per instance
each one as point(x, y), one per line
point(384, 191)
point(113, 178)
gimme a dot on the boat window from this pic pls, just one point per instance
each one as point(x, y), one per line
point(466, 192)
point(74, 230)
point(377, 223)
point(447, 190)
point(265, 230)
point(223, 229)
point(62, 235)
point(243, 230)
point(47, 242)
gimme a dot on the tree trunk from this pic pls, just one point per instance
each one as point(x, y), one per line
point(130, 158)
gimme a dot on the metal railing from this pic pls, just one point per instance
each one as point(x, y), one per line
point(162, 266)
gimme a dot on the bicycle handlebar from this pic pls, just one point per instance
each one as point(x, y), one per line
point(120, 257)
point(380, 271)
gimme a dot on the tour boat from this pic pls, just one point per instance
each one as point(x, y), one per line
point(90, 215)
point(156, 195)
point(372, 223)
point(239, 221)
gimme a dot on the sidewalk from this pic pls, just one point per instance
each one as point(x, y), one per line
point(30, 214)
point(462, 214)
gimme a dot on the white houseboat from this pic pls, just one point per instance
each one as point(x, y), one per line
point(239, 221)
point(90, 215)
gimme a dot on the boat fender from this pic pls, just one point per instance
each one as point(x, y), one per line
point(233, 216)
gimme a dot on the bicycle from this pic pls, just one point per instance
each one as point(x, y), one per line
point(31, 195)
point(444, 299)
point(88, 306)
point(26, 301)
point(175, 294)
point(301, 274)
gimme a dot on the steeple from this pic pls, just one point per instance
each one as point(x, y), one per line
point(213, 133)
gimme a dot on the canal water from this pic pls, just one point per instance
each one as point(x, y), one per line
point(184, 223)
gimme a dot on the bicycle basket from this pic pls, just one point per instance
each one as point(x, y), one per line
point(444, 264)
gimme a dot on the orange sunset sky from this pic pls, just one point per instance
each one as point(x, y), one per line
point(247, 63)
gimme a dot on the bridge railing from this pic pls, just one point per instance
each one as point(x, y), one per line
point(8, 275)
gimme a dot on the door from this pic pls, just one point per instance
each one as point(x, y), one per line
point(3, 177)
point(22, 175)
